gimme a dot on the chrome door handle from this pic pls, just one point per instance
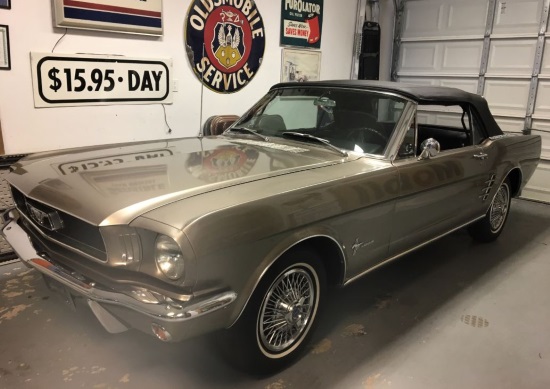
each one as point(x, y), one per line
point(481, 156)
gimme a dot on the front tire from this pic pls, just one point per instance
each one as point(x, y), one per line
point(490, 227)
point(280, 316)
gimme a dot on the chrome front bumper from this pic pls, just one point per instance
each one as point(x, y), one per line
point(113, 308)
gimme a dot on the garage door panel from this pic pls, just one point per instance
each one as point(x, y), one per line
point(507, 97)
point(537, 188)
point(419, 57)
point(545, 66)
point(542, 128)
point(517, 17)
point(438, 118)
point(429, 18)
point(422, 19)
point(542, 102)
point(427, 81)
point(467, 84)
point(461, 57)
point(467, 17)
point(512, 57)
point(510, 125)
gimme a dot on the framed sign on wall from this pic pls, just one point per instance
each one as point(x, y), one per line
point(301, 23)
point(300, 65)
point(127, 16)
point(75, 79)
point(5, 4)
point(5, 61)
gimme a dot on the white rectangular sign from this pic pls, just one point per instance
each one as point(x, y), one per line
point(72, 79)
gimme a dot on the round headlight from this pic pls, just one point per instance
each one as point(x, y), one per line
point(169, 257)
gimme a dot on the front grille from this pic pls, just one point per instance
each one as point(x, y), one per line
point(74, 232)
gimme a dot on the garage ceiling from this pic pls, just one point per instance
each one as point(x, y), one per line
point(492, 47)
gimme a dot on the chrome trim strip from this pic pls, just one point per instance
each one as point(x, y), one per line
point(407, 118)
point(355, 278)
point(173, 312)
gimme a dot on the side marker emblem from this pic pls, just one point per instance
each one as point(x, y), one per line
point(360, 245)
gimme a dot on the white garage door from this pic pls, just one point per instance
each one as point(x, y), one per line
point(497, 48)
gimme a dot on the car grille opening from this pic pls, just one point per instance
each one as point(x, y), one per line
point(73, 232)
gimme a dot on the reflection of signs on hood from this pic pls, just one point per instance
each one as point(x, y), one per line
point(225, 43)
point(224, 163)
point(111, 160)
point(128, 180)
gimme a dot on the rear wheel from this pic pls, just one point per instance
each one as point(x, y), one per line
point(281, 314)
point(490, 227)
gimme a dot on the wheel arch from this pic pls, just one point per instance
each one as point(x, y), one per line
point(330, 251)
point(515, 176)
point(331, 254)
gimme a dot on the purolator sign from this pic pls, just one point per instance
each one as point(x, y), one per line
point(225, 42)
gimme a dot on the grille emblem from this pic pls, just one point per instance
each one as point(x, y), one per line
point(50, 220)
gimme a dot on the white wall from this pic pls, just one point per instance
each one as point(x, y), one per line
point(27, 129)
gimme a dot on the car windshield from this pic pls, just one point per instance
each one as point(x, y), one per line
point(359, 121)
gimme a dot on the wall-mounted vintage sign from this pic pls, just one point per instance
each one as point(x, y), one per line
point(67, 80)
point(301, 23)
point(225, 42)
point(300, 65)
point(129, 16)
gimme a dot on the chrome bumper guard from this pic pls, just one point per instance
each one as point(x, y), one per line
point(172, 312)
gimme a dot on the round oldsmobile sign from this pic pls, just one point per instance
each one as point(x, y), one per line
point(225, 42)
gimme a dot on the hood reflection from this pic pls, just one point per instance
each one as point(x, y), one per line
point(223, 163)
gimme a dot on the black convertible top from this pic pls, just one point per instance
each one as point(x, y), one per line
point(420, 93)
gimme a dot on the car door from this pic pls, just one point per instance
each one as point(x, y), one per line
point(440, 193)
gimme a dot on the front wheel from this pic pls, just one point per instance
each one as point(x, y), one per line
point(490, 227)
point(281, 314)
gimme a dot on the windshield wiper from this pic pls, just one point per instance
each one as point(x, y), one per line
point(246, 130)
point(315, 138)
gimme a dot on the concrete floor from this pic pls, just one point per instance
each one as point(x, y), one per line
point(455, 314)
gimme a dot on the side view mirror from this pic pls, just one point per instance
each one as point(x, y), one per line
point(430, 148)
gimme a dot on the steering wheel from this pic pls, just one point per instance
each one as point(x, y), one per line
point(359, 135)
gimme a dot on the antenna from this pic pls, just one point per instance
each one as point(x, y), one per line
point(202, 95)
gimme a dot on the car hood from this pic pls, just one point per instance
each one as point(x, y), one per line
point(115, 184)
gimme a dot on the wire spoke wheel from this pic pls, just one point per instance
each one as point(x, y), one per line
point(281, 314)
point(499, 208)
point(287, 309)
point(491, 225)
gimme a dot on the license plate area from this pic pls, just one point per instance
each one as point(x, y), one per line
point(61, 291)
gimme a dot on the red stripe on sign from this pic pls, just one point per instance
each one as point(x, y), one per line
point(112, 8)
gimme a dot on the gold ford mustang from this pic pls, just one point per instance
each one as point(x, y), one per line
point(316, 185)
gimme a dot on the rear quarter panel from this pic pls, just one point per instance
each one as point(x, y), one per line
point(521, 151)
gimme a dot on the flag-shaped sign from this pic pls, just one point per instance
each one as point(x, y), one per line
point(130, 16)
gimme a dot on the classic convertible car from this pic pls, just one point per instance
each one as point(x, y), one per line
point(317, 184)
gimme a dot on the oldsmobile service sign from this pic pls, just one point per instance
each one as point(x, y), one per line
point(225, 42)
